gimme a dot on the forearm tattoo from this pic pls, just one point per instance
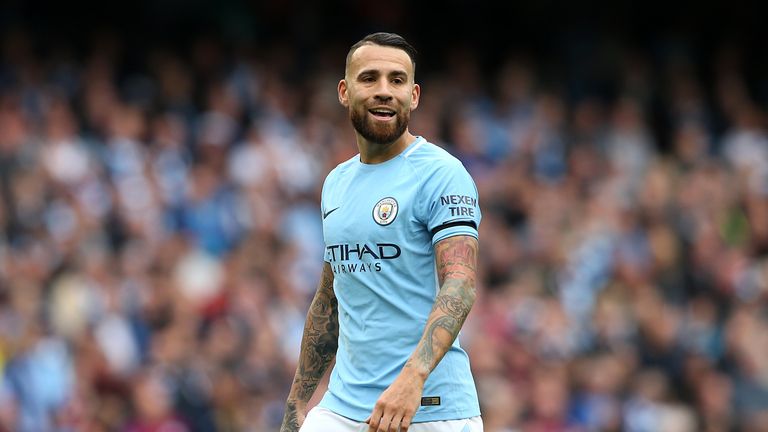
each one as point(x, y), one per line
point(456, 259)
point(291, 418)
point(318, 348)
point(321, 335)
point(434, 344)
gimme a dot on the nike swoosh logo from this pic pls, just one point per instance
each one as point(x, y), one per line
point(325, 215)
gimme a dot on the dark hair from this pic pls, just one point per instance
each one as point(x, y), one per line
point(385, 39)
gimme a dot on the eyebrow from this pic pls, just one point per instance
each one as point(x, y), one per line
point(394, 73)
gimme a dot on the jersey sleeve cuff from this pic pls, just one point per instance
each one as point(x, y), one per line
point(454, 231)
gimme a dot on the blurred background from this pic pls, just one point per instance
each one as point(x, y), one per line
point(160, 238)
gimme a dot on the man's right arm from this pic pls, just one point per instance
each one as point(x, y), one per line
point(318, 349)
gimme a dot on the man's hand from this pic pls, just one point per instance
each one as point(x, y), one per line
point(398, 404)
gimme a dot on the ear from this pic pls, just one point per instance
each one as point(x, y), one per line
point(343, 97)
point(415, 93)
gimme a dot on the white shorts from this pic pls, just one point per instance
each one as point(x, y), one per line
point(324, 420)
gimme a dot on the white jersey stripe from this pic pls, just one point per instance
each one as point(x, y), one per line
point(419, 144)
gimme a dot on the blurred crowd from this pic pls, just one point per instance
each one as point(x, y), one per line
point(160, 236)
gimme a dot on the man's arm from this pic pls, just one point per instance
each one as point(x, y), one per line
point(456, 260)
point(318, 349)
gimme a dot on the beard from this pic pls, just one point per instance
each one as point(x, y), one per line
point(378, 133)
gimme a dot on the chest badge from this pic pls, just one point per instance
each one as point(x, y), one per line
point(385, 211)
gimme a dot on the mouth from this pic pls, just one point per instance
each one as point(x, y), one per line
point(382, 113)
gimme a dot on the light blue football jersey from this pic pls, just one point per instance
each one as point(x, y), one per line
point(380, 224)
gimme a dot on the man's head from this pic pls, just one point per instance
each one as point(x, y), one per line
point(378, 87)
point(384, 39)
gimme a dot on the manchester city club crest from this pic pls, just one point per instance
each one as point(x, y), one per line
point(385, 211)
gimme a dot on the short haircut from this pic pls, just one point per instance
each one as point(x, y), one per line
point(385, 39)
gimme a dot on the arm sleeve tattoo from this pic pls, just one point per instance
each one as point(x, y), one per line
point(456, 260)
point(318, 348)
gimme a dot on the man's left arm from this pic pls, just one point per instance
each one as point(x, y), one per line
point(456, 261)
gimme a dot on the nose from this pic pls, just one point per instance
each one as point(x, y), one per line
point(383, 91)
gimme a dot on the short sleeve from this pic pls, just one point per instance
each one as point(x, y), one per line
point(452, 202)
point(323, 210)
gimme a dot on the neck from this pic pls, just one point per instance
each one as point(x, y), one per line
point(375, 153)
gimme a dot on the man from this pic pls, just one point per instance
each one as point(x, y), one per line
point(400, 226)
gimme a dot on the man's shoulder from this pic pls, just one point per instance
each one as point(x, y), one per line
point(430, 157)
point(343, 167)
